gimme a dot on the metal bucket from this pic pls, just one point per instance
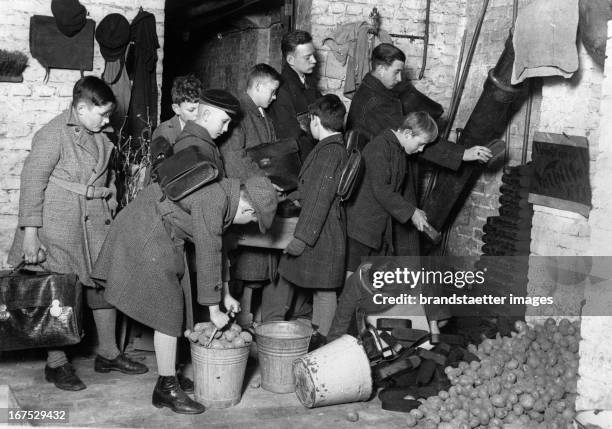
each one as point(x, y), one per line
point(278, 345)
point(218, 375)
point(336, 373)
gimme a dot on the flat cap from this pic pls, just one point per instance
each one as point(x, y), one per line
point(264, 199)
point(113, 36)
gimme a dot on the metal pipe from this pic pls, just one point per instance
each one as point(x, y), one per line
point(447, 130)
point(425, 41)
point(508, 134)
point(527, 123)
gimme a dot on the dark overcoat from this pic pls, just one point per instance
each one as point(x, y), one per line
point(252, 128)
point(321, 224)
point(387, 198)
point(196, 135)
point(294, 97)
point(71, 227)
point(141, 261)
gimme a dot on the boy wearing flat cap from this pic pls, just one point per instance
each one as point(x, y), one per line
point(214, 110)
point(141, 264)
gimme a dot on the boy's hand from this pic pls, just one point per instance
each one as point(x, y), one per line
point(419, 219)
point(231, 304)
point(217, 317)
point(33, 249)
point(295, 247)
point(477, 153)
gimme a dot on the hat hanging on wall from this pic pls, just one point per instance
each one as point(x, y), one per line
point(70, 16)
point(113, 36)
point(12, 65)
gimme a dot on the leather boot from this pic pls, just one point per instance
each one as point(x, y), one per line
point(168, 393)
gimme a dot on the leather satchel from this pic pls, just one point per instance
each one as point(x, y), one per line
point(39, 309)
point(53, 49)
point(280, 162)
point(352, 172)
point(184, 172)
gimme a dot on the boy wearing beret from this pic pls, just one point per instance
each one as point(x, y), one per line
point(141, 263)
point(212, 120)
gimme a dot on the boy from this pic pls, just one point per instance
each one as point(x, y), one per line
point(66, 205)
point(141, 263)
point(186, 93)
point(315, 257)
point(212, 120)
point(253, 267)
point(388, 193)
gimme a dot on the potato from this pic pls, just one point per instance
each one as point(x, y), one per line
point(203, 338)
point(202, 326)
point(229, 335)
point(238, 342)
point(194, 336)
point(216, 344)
point(236, 327)
point(246, 336)
point(208, 331)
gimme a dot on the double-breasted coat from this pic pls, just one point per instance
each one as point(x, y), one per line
point(321, 224)
point(293, 98)
point(252, 128)
point(71, 227)
point(141, 262)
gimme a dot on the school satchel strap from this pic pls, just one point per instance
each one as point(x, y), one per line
point(184, 172)
point(53, 49)
point(352, 171)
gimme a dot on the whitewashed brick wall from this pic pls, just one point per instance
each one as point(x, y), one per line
point(27, 106)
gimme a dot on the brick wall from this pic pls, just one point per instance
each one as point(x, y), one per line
point(26, 106)
point(253, 39)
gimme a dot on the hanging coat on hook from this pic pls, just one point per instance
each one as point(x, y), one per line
point(141, 66)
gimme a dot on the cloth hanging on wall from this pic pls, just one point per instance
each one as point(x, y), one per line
point(141, 65)
point(352, 45)
point(545, 40)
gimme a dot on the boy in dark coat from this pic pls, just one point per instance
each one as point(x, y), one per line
point(186, 94)
point(297, 91)
point(141, 263)
point(253, 267)
point(315, 257)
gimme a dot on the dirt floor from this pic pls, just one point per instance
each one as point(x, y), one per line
point(118, 400)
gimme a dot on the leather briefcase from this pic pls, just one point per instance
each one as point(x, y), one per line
point(39, 309)
point(280, 161)
point(184, 172)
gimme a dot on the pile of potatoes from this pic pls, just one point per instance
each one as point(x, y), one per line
point(230, 337)
point(524, 381)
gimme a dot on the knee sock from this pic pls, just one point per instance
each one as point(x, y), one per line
point(56, 358)
point(165, 353)
point(324, 303)
point(106, 319)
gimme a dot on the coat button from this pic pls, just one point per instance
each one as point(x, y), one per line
point(107, 222)
point(217, 288)
point(86, 218)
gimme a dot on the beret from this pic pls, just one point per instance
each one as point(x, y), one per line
point(221, 99)
point(70, 16)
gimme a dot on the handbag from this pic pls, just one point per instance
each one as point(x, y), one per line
point(39, 309)
point(184, 172)
point(280, 162)
point(53, 49)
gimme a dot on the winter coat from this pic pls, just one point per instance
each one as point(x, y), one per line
point(252, 129)
point(321, 224)
point(293, 98)
point(141, 261)
point(170, 129)
point(196, 135)
point(71, 227)
point(141, 65)
point(379, 213)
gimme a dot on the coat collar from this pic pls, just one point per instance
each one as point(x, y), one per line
point(248, 105)
point(197, 131)
point(291, 77)
point(376, 85)
point(334, 139)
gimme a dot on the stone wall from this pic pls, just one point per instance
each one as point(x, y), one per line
point(27, 106)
